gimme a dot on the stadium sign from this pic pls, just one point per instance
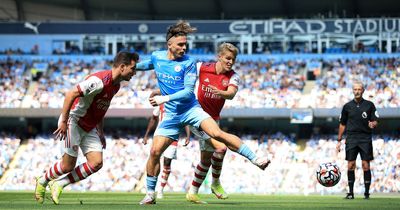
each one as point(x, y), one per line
point(338, 26)
point(239, 27)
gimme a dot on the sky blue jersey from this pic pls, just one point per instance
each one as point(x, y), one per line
point(176, 78)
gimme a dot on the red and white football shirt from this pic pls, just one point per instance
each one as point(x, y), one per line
point(96, 93)
point(210, 102)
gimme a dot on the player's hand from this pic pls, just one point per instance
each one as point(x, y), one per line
point(372, 124)
point(155, 93)
point(187, 141)
point(158, 100)
point(215, 90)
point(338, 145)
point(61, 131)
point(102, 139)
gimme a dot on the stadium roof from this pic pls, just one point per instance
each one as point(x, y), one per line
point(42, 10)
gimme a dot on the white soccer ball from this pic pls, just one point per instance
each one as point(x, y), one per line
point(328, 174)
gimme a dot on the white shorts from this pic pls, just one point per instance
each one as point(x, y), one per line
point(171, 152)
point(78, 138)
point(203, 139)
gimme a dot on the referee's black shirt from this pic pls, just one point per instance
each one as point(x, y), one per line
point(355, 117)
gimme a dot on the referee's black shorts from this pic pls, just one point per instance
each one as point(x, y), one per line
point(364, 148)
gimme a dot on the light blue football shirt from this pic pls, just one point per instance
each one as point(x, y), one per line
point(173, 76)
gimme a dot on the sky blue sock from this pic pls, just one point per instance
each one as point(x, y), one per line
point(245, 151)
point(151, 183)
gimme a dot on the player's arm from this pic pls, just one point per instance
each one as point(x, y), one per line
point(150, 127)
point(145, 65)
point(189, 82)
point(187, 139)
point(69, 99)
point(342, 126)
point(230, 93)
point(89, 87)
point(374, 118)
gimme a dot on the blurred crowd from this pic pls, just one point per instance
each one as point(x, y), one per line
point(380, 76)
point(266, 83)
point(292, 169)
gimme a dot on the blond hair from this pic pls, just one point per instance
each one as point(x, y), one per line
point(228, 47)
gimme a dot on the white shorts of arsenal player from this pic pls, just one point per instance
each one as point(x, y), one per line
point(78, 138)
point(171, 151)
point(203, 139)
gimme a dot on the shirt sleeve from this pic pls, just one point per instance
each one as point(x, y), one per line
point(190, 77)
point(374, 113)
point(343, 116)
point(146, 64)
point(235, 80)
point(92, 85)
point(198, 67)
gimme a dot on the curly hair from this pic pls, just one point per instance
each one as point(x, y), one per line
point(181, 28)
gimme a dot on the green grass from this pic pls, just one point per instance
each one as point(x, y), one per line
point(112, 200)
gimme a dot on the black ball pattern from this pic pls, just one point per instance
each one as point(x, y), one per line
point(328, 174)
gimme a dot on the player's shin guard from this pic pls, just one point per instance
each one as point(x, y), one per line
point(367, 181)
point(52, 173)
point(351, 178)
point(216, 162)
point(80, 172)
point(200, 174)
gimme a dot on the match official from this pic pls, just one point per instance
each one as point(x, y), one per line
point(358, 118)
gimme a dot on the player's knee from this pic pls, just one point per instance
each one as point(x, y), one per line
point(167, 162)
point(351, 166)
point(66, 168)
point(155, 153)
point(365, 166)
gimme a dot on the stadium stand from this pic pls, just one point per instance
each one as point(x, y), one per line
point(266, 82)
point(292, 172)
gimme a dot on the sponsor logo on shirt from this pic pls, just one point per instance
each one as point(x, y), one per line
point(178, 68)
point(225, 82)
point(168, 76)
point(364, 115)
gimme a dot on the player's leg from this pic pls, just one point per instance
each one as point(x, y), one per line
point(164, 176)
point(62, 167)
point(202, 168)
point(200, 173)
point(169, 154)
point(232, 142)
point(216, 163)
point(366, 154)
point(351, 156)
point(92, 149)
point(159, 145)
point(197, 117)
point(167, 131)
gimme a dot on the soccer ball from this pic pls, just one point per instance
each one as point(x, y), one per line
point(328, 174)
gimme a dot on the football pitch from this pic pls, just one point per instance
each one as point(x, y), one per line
point(112, 200)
